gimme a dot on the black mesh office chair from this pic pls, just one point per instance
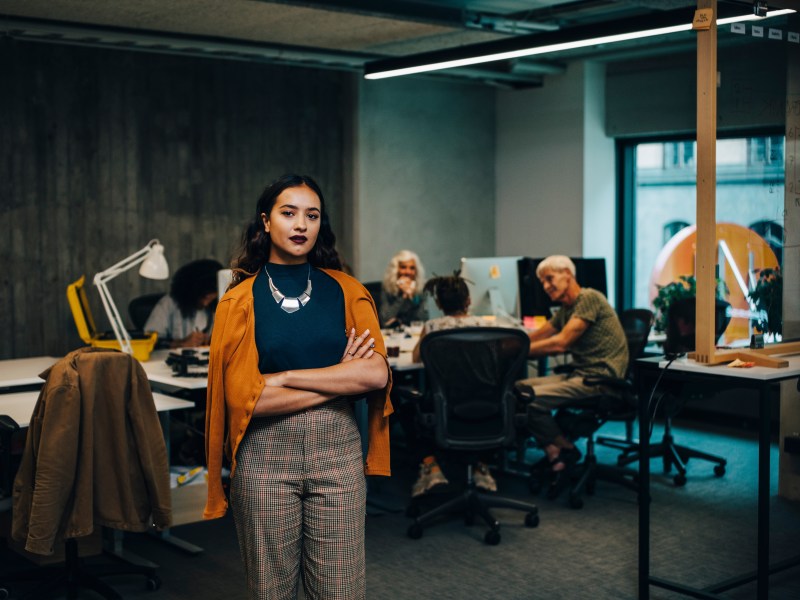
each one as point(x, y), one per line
point(616, 400)
point(470, 375)
point(680, 340)
point(140, 308)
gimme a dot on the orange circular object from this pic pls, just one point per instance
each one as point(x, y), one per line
point(747, 252)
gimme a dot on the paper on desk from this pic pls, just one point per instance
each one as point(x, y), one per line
point(740, 364)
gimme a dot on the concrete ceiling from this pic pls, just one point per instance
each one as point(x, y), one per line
point(342, 34)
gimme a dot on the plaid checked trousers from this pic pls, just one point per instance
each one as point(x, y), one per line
point(299, 503)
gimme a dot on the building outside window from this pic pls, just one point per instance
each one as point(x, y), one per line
point(662, 215)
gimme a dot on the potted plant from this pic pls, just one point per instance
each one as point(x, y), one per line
point(767, 297)
point(684, 287)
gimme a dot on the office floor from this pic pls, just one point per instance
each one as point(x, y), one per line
point(702, 533)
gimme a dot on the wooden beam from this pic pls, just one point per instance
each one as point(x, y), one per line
point(706, 256)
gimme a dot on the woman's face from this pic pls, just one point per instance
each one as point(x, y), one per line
point(407, 268)
point(293, 225)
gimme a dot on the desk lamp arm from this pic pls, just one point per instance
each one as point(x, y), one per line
point(101, 280)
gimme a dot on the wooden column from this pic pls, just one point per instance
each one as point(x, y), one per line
point(706, 256)
point(705, 22)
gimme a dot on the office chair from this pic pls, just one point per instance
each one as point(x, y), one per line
point(140, 308)
point(470, 374)
point(616, 400)
point(94, 456)
point(374, 288)
point(680, 340)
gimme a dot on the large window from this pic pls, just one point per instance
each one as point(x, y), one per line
point(660, 217)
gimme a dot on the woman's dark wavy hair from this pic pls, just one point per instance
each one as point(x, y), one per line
point(255, 247)
point(450, 292)
point(193, 281)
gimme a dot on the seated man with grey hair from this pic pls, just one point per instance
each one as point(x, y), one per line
point(588, 328)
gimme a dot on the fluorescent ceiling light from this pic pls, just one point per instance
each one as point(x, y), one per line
point(544, 43)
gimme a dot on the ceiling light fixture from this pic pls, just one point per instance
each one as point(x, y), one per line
point(544, 43)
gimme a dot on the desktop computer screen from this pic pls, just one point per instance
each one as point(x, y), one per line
point(589, 272)
point(493, 285)
point(224, 277)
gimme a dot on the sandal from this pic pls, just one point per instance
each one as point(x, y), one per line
point(569, 457)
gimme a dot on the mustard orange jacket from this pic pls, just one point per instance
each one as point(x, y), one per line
point(235, 383)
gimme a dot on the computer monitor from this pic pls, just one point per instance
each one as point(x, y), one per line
point(534, 301)
point(493, 285)
point(224, 277)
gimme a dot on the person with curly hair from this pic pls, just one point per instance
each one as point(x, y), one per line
point(451, 295)
point(296, 341)
point(185, 317)
point(401, 294)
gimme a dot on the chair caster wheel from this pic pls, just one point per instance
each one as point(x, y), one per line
point(575, 501)
point(414, 531)
point(679, 480)
point(153, 583)
point(719, 470)
point(492, 537)
point(4, 594)
point(531, 520)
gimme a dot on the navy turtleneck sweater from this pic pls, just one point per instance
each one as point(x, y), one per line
point(310, 338)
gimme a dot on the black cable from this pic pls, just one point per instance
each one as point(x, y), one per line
point(651, 416)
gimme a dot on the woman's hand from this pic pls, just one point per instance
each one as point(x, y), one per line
point(196, 338)
point(358, 347)
point(407, 287)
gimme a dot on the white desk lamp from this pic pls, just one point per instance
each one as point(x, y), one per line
point(154, 266)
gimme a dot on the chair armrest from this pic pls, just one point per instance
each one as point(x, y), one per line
point(7, 424)
point(615, 383)
point(407, 394)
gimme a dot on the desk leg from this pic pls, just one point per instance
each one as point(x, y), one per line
point(113, 544)
point(644, 495)
point(763, 491)
point(188, 547)
point(165, 535)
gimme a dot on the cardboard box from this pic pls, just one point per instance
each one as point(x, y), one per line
point(188, 501)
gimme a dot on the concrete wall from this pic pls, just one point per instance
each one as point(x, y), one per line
point(555, 170)
point(539, 164)
point(424, 173)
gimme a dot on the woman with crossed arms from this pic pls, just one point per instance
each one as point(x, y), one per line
point(295, 339)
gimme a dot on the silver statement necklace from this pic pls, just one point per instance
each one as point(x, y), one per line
point(289, 305)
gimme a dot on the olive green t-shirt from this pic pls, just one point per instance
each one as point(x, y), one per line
point(602, 349)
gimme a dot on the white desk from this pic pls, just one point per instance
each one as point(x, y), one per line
point(404, 362)
point(19, 372)
point(19, 405)
point(158, 371)
point(761, 379)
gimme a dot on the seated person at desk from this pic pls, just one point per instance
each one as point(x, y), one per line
point(184, 317)
point(587, 327)
point(401, 293)
point(452, 297)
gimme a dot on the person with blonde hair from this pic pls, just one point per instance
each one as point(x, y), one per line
point(401, 293)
